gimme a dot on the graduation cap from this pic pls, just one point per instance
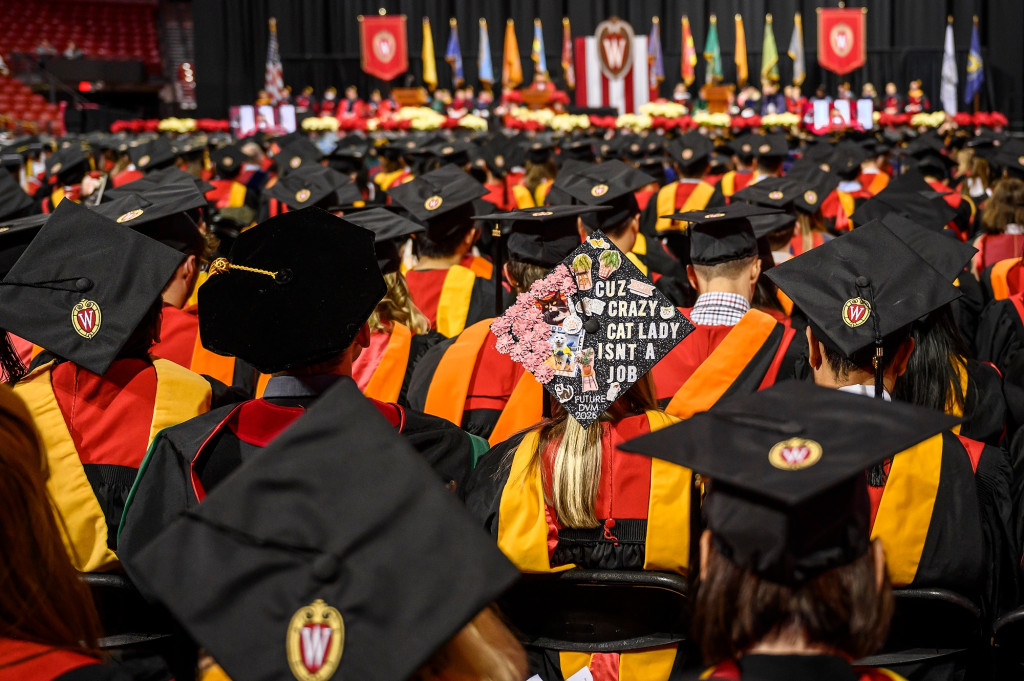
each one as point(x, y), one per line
point(773, 145)
point(763, 225)
point(542, 236)
point(388, 230)
point(349, 158)
point(84, 303)
point(610, 183)
point(294, 291)
point(860, 288)
point(152, 155)
point(788, 497)
point(13, 199)
point(442, 200)
point(581, 149)
point(67, 166)
point(591, 328)
point(690, 149)
point(313, 185)
point(719, 235)
point(337, 550)
point(938, 247)
point(166, 222)
point(773, 192)
point(846, 159)
point(297, 154)
point(745, 146)
point(15, 236)
point(11, 161)
point(924, 206)
point(818, 185)
point(539, 151)
point(455, 152)
point(229, 160)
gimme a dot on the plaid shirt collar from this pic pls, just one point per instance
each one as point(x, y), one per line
point(719, 309)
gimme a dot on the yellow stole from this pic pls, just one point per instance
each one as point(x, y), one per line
point(666, 203)
point(180, 395)
point(236, 197)
point(453, 306)
point(523, 197)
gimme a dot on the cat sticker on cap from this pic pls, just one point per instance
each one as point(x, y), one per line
point(591, 328)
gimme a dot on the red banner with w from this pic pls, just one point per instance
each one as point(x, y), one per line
point(842, 44)
point(383, 45)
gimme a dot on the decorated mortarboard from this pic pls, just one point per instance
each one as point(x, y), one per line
point(720, 235)
point(313, 185)
point(938, 247)
point(152, 155)
point(861, 287)
point(787, 496)
point(13, 199)
point(15, 236)
point(278, 303)
point(372, 597)
point(591, 328)
point(388, 228)
point(83, 304)
point(772, 145)
point(166, 222)
point(690, 149)
point(229, 160)
point(542, 236)
point(297, 154)
point(441, 199)
point(610, 183)
point(68, 165)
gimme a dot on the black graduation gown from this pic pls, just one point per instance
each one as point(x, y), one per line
point(967, 309)
point(985, 412)
point(185, 462)
point(1000, 334)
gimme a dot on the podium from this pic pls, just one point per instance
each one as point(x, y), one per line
point(409, 96)
point(717, 97)
point(536, 98)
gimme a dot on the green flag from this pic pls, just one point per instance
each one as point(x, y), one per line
point(769, 53)
point(713, 53)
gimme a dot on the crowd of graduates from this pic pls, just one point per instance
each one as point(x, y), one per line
point(286, 393)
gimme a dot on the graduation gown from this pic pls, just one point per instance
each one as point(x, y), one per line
point(794, 668)
point(452, 298)
point(945, 518)
point(985, 413)
point(466, 381)
point(655, 261)
point(730, 183)
point(187, 461)
point(95, 431)
point(719, 361)
point(384, 369)
point(1002, 279)
point(1001, 331)
point(227, 194)
point(643, 505)
point(838, 206)
point(674, 197)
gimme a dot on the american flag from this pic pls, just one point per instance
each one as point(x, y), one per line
point(274, 76)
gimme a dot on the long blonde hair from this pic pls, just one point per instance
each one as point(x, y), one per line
point(397, 308)
point(576, 473)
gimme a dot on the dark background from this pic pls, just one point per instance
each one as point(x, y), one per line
point(319, 41)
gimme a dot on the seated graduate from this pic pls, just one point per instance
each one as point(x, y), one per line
point(65, 170)
point(451, 287)
point(792, 583)
point(399, 333)
point(292, 301)
point(343, 556)
point(309, 185)
point(735, 349)
point(466, 379)
point(842, 201)
point(88, 290)
point(690, 156)
point(942, 509)
point(227, 191)
point(49, 627)
point(562, 494)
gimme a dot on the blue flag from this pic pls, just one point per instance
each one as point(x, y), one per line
point(453, 54)
point(975, 67)
point(483, 59)
point(540, 60)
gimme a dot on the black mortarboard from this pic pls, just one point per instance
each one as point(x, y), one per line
point(83, 285)
point(788, 497)
point(746, 145)
point(455, 152)
point(441, 199)
point(313, 185)
point(772, 145)
point(690, 149)
point(539, 151)
point(724, 234)
point(336, 547)
point(68, 165)
point(15, 236)
point(11, 161)
point(229, 160)
point(581, 149)
point(152, 155)
point(165, 222)
point(939, 248)
point(763, 225)
point(846, 158)
point(388, 228)
point(348, 158)
point(1011, 156)
point(591, 328)
point(297, 154)
point(542, 236)
point(861, 287)
point(933, 164)
point(774, 192)
point(925, 207)
point(13, 199)
point(819, 184)
point(610, 183)
point(294, 291)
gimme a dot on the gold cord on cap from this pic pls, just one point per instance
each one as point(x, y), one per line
point(221, 265)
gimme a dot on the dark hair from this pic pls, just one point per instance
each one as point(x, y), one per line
point(694, 171)
point(840, 609)
point(729, 269)
point(842, 366)
point(770, 164)
point(427, 247)
point(146, 334)
point(932, 378)
point(523, 274)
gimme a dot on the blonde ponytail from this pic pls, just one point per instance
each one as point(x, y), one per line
point(397, 308)
point(576, 474)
